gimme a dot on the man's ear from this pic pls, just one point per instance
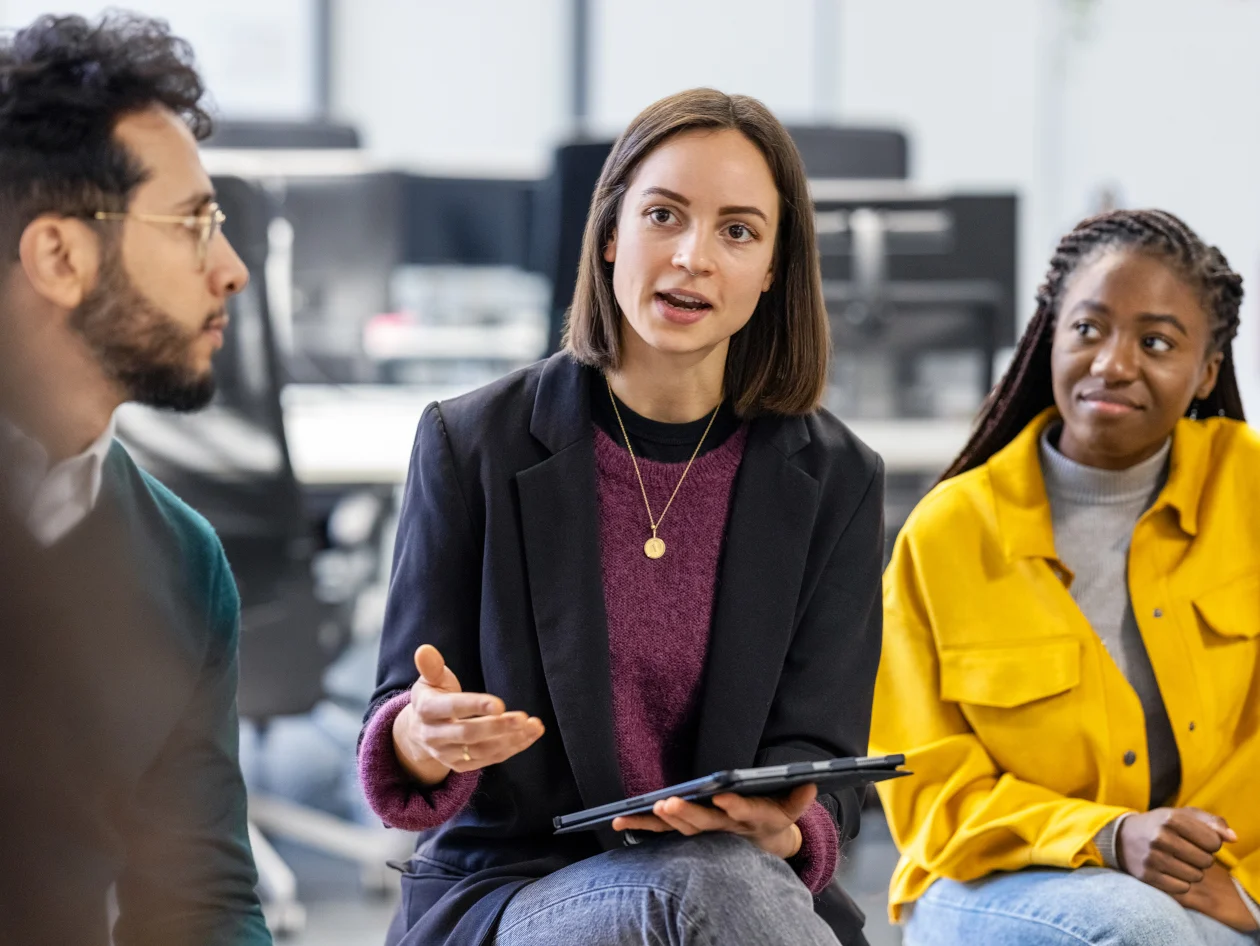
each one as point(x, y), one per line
point(61, 259)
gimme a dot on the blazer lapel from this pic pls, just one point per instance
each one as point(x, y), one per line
point(759, 584)
point(559, 521)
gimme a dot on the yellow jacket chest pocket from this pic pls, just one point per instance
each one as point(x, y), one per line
point(1022, 700)
point(1228, 619)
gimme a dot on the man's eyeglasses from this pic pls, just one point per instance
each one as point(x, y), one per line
point(205, 225)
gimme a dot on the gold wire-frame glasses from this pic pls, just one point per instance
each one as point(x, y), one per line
point(205, 225)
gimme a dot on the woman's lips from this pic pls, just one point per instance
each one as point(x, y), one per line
point(1109, 406)
point(677, 314)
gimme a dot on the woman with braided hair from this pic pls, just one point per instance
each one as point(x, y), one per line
point(1071, 651)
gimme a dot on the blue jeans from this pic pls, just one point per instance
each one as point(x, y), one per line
point(1041, 907)
point(708, 890)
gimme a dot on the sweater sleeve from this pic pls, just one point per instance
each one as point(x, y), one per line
point(391, 791)
point(1105, 841)
point(816, 861)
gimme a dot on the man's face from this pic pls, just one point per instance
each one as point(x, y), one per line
point(158, 310)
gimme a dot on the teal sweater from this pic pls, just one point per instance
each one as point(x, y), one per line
point(187, 873)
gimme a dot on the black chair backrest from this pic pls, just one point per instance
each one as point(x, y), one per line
point(285, 135)
point(468, 221)
point(560, 209)
point(348, 239)
point(852, 153)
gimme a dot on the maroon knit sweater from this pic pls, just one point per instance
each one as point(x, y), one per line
point(659, 618)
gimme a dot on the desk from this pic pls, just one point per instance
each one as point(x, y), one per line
point(363, 434)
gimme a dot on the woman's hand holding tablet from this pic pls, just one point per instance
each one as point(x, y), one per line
point(769, 823)
point(762, 804)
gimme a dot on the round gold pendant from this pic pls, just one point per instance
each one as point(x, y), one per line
point(654, 547)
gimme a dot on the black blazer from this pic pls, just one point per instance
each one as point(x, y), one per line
point(498, 565)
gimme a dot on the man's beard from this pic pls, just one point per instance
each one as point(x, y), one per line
point(141, 347)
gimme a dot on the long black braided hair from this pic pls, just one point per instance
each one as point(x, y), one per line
point(1026, 389)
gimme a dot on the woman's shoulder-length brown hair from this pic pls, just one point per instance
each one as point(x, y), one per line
point(777, 363)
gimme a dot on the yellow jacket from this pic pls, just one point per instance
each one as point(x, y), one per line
point(1012, 715)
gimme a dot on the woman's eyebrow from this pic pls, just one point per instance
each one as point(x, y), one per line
point(1159, 318)
point(749, 210)
point(722, 211)
point(667, 194)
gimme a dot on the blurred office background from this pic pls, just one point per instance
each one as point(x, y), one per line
point(407, 180)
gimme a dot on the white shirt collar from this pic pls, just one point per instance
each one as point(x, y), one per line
point(54, 499)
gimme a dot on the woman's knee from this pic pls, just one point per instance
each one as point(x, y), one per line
point(1133, 913)
point(726, 883)
point(725, 862)
point(1147, 917)
point(1048, 908)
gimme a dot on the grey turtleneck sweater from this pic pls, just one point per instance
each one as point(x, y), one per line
point(1094, 513)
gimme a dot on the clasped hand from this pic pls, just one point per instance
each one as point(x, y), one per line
point(1174, 850)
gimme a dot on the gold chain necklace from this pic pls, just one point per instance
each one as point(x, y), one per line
point(655, 546)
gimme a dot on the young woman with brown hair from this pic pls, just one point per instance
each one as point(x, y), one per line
point(647, 558)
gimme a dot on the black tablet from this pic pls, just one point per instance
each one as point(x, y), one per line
point(828, 775)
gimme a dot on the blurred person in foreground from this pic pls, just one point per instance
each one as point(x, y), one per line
point(647, 558)
point(114, 279)
point(1072, 624)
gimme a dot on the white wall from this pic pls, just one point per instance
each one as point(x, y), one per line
point(472, 86)
point(647, 49)
point(484, 85)
point(1160, 98)
point(257, 56)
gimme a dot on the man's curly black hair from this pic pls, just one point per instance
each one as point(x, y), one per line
point(65, 83)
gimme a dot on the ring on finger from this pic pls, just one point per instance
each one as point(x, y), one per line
point(467, 756)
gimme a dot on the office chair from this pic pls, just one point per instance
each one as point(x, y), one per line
point(561, 203)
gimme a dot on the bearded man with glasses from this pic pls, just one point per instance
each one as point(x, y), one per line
point(118, 672)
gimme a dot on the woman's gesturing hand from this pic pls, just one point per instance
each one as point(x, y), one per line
point(445, 729)
point(770, 823)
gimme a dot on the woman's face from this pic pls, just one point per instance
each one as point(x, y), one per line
point(693, 248)
point(1130, 352)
